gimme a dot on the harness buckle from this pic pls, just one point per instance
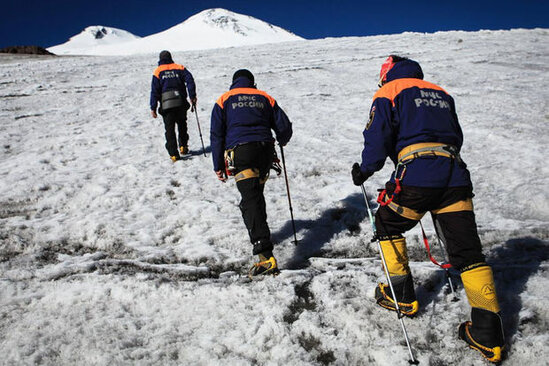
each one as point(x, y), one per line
point(229, 162)
point(398, 188)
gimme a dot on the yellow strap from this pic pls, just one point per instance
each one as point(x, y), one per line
point(465, 205)
point(406, 212)
point(424, 145)
point(247, 174)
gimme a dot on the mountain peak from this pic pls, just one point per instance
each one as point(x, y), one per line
point(239, 24)
point(99, 31)
point(223, 19)
point(91, 38)
point(216, 13)
point(211, 28)
point(108, 33)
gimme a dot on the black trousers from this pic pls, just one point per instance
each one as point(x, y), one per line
point(172, 118)
point(257, 156)
point(458, 228)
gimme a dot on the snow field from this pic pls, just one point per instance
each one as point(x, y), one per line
point(112, 254)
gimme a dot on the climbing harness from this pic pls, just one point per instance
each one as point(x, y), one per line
point(407, 155)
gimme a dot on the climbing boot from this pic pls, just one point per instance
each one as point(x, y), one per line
point(484, 333)
point(396, 258)
point(265, 266)
point(404, 291)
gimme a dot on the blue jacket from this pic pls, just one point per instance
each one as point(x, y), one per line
point(245, 114)
point(171, 76)
point(408, 110)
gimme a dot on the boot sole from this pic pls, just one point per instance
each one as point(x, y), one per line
point(269, 272)
point(385, 304)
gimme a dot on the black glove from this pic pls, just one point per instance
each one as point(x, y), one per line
point(275, 165)
point(358, 176)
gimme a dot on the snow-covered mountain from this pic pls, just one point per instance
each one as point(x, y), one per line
point(92, 39)
point(213, 28)
point(110, 254)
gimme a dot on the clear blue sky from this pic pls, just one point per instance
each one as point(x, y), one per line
point(50, 22)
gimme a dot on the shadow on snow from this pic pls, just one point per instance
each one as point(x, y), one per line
point(513, 264)
point(347, 217)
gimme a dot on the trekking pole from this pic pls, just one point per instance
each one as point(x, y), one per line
point(441, 242)
point(288, 192)
point(199, 131)
point(412, 360)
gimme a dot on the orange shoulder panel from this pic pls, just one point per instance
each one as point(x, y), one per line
point(392, 89)
point(248, 91)
point(161, 68)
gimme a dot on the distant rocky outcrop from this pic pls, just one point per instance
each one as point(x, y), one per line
point(28, 50)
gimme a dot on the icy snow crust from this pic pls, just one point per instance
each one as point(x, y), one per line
point(112, 254)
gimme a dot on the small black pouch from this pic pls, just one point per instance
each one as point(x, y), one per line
point(172, 99)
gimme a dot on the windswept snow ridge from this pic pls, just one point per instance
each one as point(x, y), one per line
point(213, 28)
point(110, 254)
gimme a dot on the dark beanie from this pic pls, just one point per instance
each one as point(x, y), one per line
point(244, 73)
point(165, 55)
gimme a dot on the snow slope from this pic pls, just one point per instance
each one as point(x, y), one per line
point(92, 39)
point(212, 28)
point(112, 254)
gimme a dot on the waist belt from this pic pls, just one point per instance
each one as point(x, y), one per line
point(414, 151)
point(410, 153)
